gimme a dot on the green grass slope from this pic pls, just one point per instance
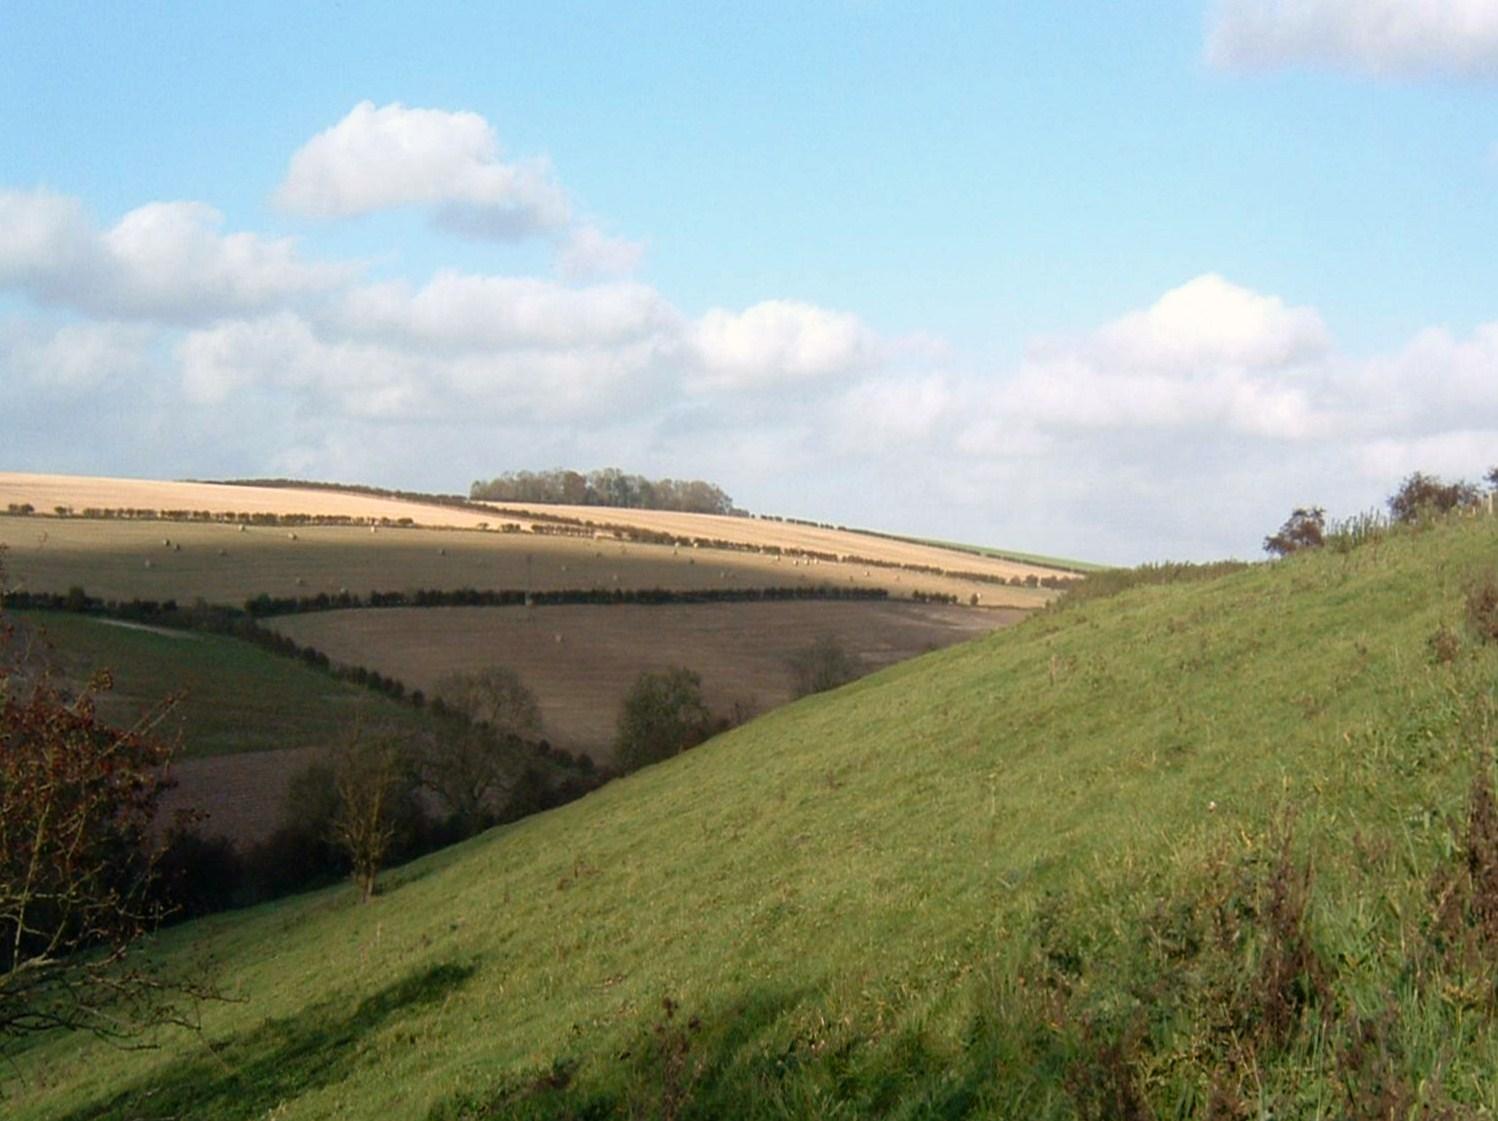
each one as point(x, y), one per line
point(1032, 876)
point(233, 696)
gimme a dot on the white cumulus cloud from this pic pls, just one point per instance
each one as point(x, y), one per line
point(392, 155)
point(1206, 354)
point(1209, 322)
point(588, 252)
point(165, 261)
point(778, 342)
point(1381, 37)
point(464, 311)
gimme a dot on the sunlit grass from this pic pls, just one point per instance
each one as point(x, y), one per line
point(922, 895)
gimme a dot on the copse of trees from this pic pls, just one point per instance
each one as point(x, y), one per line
point(606, 487)
point(663, 715)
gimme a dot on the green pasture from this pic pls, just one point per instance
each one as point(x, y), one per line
point(1031, 876)
point(231, 696)
point(1065, 563)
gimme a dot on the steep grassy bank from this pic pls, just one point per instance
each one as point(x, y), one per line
point(1039, 875)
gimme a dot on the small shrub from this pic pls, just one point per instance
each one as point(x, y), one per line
point(198, 875)
point(1304, 529)
point(1445, 645)
point(1423, 496)
point(823, 665)
point(1102, 1081)
point(1290, 978)
point(1482, 606)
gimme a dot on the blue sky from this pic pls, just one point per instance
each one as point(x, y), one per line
point(1120, 280)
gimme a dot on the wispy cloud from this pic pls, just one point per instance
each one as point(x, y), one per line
point(1405, 38)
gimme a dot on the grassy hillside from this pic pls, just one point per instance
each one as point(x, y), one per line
point(1037, 875)
point(1065, 563)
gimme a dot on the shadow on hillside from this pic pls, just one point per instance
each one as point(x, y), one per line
point(767, 1054)
point(249, 1075)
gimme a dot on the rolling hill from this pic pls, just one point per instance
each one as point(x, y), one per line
point(221, 543)
point(1207, 848)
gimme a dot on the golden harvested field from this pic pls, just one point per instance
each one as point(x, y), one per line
point(46, 492)
point(184, 560)
point(129, 559)
point(581, 660)
point(787, 535)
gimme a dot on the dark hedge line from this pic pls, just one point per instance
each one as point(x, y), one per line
point(223, 517)
point(264, 606)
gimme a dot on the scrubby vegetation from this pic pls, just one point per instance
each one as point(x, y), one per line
point(821, 665)
point(663, 715)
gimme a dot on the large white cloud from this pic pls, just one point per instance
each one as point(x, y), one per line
point(392, 155)
point(776, 343)
point(1385, 37)
point(1209, 322)
point(1208, 354)
point(165, 261)
point(340, 374)
point(450, 163)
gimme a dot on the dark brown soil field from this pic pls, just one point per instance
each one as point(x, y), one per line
point(581, 660)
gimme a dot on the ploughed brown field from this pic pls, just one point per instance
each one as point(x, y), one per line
point(581, 660)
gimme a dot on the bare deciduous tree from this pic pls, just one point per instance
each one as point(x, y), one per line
point(77, 801)
point(471, 767)
point(373, 776)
